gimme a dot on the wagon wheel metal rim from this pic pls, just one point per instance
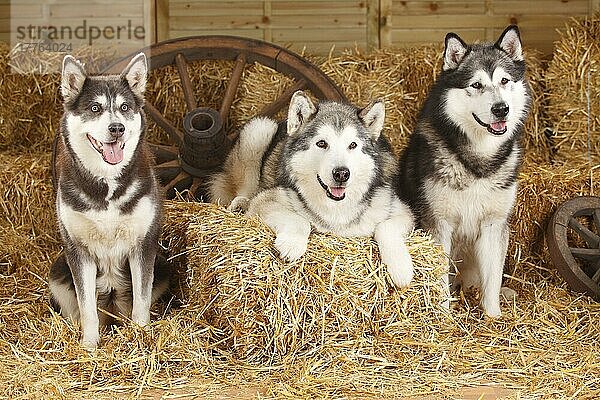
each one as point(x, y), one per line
point(201, 147)
point(579, 266)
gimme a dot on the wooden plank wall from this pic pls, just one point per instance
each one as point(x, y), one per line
point(5, 20)
point(415, 22)
point(319, 25)
point(316, 25)
point(72, 13)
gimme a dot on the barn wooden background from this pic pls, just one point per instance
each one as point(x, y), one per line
point(319, 25)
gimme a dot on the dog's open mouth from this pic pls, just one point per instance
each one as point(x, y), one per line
point(112, 152)
point(495, 128)
point(334, 193)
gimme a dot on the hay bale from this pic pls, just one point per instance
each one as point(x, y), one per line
point(574, 75)
point(330, 325)
point(535, 139)
point(28, 234)
point(337, 293)
point(31, 120)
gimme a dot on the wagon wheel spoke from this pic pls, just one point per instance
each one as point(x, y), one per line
point(232, 85)
point(590, 237)
point(596, 276)
point(167, 170)
point(196, 184)
point(168, 165)
point(186, 83)
point(173, 182)
point(175, 134)
point(164, 153)
point(283, 100)
point(596, 217)
point(592, 255)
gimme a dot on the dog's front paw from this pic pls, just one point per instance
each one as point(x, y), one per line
point(239, 204)
point(492, 307)
point(291, 247)
point(401, 271)
point(90, 341)
point(141, 318)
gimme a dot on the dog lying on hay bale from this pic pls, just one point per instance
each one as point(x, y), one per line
point(339, 291)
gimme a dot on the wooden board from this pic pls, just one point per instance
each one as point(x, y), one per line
point(416, 22)
point(318, 25)
point(315, 25)
point(112, 18)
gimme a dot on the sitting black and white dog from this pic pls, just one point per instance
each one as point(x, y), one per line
point(109, 202)
point(459, 172)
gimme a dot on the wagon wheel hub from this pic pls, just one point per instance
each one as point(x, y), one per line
point(204, 144)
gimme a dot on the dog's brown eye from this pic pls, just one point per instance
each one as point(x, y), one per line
point(476, 85)
point(322, 144)
point(95, 108)
point(352, 146)
point(504, 81)
point(124, 107)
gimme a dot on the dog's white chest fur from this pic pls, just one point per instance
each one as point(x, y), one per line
point(465, 201)
point(354, 220)
point(109, 234)
point(467, 209)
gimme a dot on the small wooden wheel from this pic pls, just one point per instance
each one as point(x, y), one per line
point(574, 243)
point(201, 147)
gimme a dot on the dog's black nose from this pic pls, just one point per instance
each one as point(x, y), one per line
point(341, 174)
point(500, 110)
point(116, 129)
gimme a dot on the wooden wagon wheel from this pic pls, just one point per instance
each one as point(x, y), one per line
point(202, 146)
point(574, 243)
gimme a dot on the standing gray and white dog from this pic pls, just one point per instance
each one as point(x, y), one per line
point(459, 172)
point(327, 167)
point(108, 202)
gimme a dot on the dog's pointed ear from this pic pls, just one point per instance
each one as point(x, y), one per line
point(454, 51)
point(300, 111)
point(73, 77)
point(373, 117)
point(510, 42)
point(136, 74)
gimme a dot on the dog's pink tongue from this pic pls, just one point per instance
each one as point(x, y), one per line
point(498, 126)
point(112, 152)
point(337, 191)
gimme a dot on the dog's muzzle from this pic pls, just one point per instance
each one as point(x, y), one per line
point(495, 128)
point(111, 152)
point(334, 193)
